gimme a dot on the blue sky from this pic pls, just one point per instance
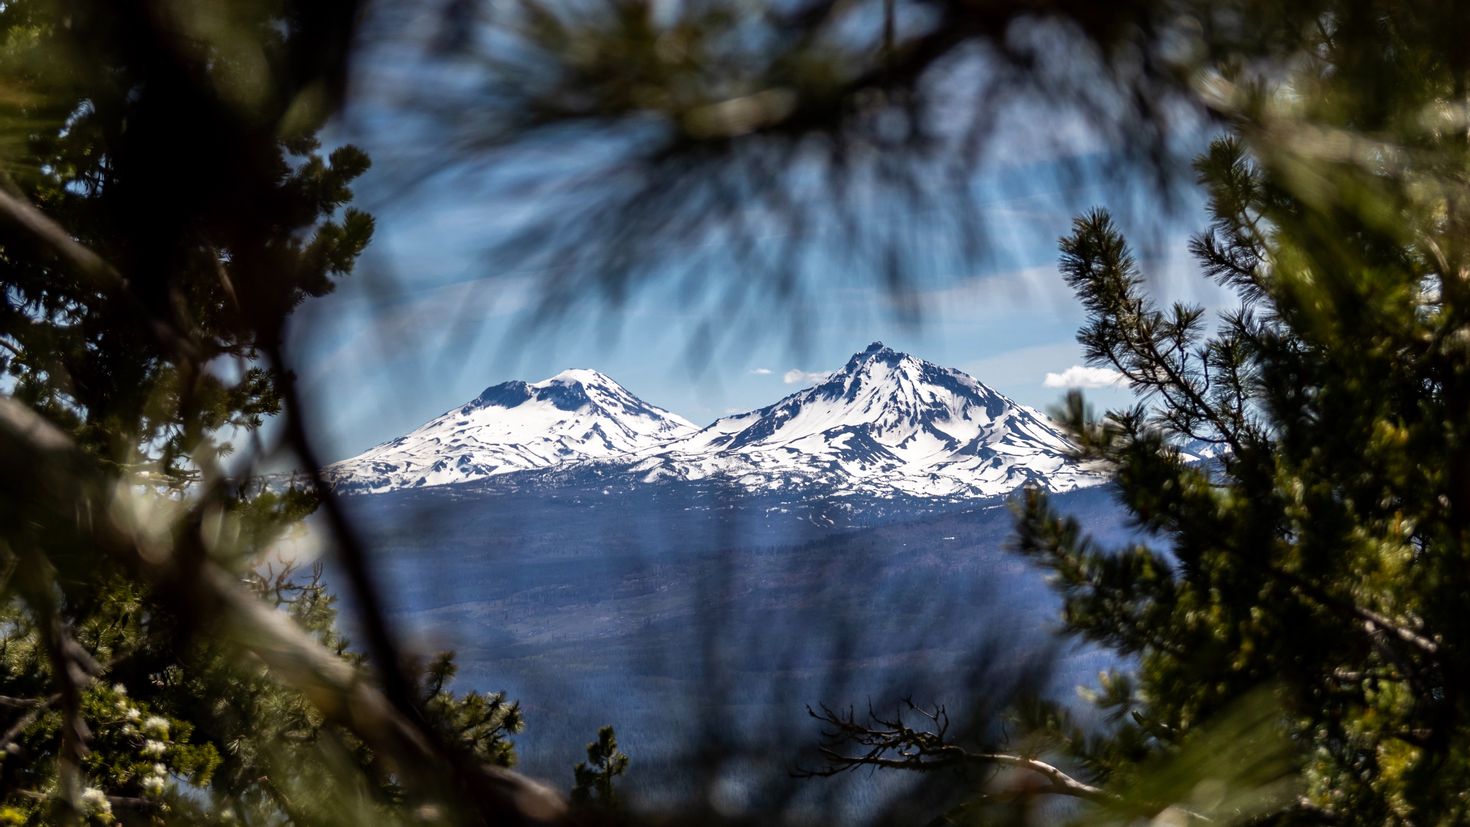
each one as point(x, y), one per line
point(431, 318)
point(429, 321)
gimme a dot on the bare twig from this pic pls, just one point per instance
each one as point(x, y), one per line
point(892, 743)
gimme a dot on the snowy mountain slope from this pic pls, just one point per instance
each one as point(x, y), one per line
point(575, 416)
point(886, 422)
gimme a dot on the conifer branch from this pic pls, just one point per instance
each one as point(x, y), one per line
point(19, 212)
point(65, 477)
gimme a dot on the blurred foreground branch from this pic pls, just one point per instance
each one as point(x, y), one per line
point(61, 474)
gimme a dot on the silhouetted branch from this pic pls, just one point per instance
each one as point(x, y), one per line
point(21, 213)
point(893, 744)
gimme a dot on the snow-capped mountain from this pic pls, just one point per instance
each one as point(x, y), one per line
point(575, 416)
point(886, 423)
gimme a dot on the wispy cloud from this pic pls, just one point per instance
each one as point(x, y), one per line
point(806, 377)
point(761, 371)
point(1038, 291)
point(1079, 376)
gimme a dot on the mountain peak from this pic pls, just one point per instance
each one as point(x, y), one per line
point(567, 391)
point(878, 353)
point(886, 421)
point(575, 416)
point(581, 376)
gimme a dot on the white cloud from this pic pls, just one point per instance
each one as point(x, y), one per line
point(793, 376)
point(761, 371)
point(1078, 376)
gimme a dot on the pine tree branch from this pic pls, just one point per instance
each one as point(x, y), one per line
point(70, 675)
point(1373, 622)
point(30, 717)
point(21, 213)
point(64, 484)
point(22, 703)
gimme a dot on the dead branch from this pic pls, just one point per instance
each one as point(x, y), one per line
point(892, 743)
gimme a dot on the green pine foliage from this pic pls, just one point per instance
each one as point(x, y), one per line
point(1322, 557)
point(1318, 567)
point(1292, 628)
point(594, 777)
point(481, 723)
point(198, 739)
point(205, 210)
point(1295, 624)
